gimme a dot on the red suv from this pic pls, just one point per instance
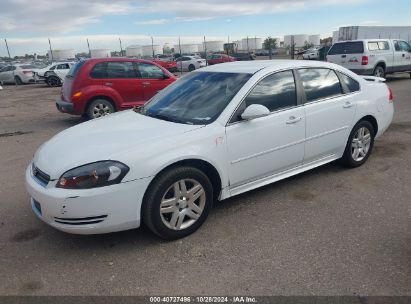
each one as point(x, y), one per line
point(97, 87)
point(219, 58)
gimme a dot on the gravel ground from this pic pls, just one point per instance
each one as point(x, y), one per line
point(329, 231)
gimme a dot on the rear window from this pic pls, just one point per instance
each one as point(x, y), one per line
point(320, 83)
point(353, 85)
point(347, 48)
point(75, 68)
point(27, 66)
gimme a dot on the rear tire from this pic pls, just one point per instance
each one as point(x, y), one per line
point(177, 202)
point(191, 68)
point(379, 71)
point(99, 107)
point(359, 145)
point(18, 81)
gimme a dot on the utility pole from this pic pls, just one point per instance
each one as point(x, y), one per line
point(51, 51)
point(248, 48)
point(121, 48)
point(152, 45)
point(205, 51)
point(11, 64)
point(181, 62)
point(88, 46)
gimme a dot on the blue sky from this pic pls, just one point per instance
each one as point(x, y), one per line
point(28, 24)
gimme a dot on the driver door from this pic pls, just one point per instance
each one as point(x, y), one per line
point(271, 144)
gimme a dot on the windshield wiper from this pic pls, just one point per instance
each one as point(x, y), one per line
point(164, 117)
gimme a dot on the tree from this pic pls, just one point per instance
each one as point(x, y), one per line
point(308, 45)
point(270, 44)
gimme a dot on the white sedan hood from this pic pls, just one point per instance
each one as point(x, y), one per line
point(101, 138)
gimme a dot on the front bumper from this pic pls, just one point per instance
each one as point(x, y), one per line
point(64, 106)
point(89, 211)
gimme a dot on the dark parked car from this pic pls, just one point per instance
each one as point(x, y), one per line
point(243, 56)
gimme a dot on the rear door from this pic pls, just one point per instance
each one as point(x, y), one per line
point(329, 113)
point(122, 77)
point(348, 54)
point(153, 79)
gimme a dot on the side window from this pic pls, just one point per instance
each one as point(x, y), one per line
point(53, 68)
point(352, 84)
point(275, 92)
point(405, 47)
point(99, 70)
point(124, 69)
point(320, 83)
point(150, 71)
point(373, 46)
point(397, 46)
point(383, 45)
point(63, 66)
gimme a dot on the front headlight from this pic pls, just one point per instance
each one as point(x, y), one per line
point(94, 175)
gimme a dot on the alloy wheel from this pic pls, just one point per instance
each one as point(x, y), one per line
point(182, 204)
point(360, 144)
point(100, 110)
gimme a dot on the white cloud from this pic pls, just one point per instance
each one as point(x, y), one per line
point(63, 16)
point(153, 22)
point(56, 16)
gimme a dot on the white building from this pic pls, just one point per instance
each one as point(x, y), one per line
point(335, 36)
point(100, 53)
point(148, 50)
point(374, 32)
point(60, 55)
point(299, 40)
point(251, 44)
point(314, 39)
point(186, 48)
point(213, 46)
point(134, 51)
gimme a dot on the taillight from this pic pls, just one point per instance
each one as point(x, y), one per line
point(364, 60)
point(199, 61)
point(390, 96)
point(27, 72)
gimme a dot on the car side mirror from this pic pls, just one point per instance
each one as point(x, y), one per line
point(165, 76)
point(255, 111)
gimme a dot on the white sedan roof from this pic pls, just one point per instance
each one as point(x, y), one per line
point(254, 66)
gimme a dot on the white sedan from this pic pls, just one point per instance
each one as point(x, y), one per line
point(190, 63)
point(313, 53)
point(214, 133)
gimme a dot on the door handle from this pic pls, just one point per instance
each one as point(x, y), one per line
point(108, 84)
point(293, 120)
point(146, 83)
point(348, 104)
point(343, 56)
point(403, 55)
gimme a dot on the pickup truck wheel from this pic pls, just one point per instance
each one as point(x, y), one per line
point(53, 81)
point(379, 71)
point(99, 107)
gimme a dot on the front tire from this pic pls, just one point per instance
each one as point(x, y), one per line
point(359, 145)
point(98, 108)
point(177, 202)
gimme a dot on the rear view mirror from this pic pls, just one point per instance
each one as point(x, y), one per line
point(255, 111)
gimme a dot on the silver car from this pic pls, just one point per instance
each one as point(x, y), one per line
point(17, 73)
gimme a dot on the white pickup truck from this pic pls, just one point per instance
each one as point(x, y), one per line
point(376, 57)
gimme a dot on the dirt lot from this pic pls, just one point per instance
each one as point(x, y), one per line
point(330, 231)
